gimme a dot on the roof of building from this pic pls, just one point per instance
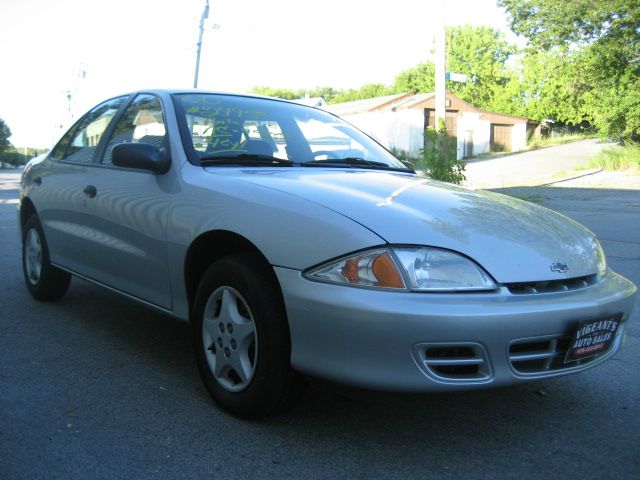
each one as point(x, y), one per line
point(405, 101)
point(367, 105)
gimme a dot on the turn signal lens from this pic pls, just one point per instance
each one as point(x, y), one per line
point(385, 270)
point(369, 269)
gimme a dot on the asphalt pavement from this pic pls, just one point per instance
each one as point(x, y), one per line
point(95, 386)
point(533, 167)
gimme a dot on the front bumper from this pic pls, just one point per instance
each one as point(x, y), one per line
point(437, 342)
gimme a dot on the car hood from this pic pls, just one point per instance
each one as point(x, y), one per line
point(514, 240)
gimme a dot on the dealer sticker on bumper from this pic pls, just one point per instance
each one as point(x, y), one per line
point(592, 338)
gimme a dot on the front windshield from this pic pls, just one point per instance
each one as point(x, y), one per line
point(227, 128)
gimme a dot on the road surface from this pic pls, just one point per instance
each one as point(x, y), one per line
point(96, 387)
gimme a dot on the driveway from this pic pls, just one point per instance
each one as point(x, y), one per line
point(95, 386)
point(536, 167)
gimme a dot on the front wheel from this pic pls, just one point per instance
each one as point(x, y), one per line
point(241, 338)
point(43, 280)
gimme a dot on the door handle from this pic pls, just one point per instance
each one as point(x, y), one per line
point(90, 191)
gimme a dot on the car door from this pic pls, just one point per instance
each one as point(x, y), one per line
point(58, 188)
point(128, 210)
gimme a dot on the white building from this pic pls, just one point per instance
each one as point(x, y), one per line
point(400, 120)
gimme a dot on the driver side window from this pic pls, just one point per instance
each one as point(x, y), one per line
point(141, 122)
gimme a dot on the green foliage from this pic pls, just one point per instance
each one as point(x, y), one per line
point(5, 133)
point(370, 90)
point(283, 93)
point(598, 41)
point(549, 23)
point(9, 154)
point(328, 93)
point(13, 157)
point(546, 84)
point(481, 53)
point(406, 156)
point(439, 156)
point(419, 79)
point(582, 64)
point(619, 157)
point(538, 141)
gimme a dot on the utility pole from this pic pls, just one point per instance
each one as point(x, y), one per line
point(441, 69)
point(205, 15)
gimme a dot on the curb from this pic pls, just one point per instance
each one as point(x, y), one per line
point(584, 173)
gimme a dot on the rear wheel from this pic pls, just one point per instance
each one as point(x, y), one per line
point(43, 280)
point(241, 338)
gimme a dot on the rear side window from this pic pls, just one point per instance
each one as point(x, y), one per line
point(80, 143)
point(141, 122)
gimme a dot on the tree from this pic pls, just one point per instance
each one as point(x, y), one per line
point(327, 93)
point(370, 90)
point(5, 133)
point(549, 23)
point(439, 156)
point(601, 38)
point(419, 79)
point(481, 53)
point(545, 85)
point(283, 93)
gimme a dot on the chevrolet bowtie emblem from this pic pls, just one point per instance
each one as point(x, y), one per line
point(559, 267)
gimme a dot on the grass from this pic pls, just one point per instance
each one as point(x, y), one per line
point(538, 141)
point(619, 157)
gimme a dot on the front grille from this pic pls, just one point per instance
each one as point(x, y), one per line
point(460, 362)
point(539, 355)
point(552, 286)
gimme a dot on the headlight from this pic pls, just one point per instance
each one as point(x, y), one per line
point(423, 269)
point(433, 269)
point(601, 260)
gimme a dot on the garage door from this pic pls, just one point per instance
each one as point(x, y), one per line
point(501, 137)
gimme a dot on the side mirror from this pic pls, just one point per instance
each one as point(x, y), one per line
point(141, 156)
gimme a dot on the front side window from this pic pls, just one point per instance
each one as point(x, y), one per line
point(141, 122)
point(226, 128)
point(79, 145)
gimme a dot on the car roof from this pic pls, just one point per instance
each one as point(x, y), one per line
point(165, 91)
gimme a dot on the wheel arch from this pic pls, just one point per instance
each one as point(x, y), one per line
point(211, 246)
point(27, 209)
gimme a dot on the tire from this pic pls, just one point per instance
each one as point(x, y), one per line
point(241, 338)
point(44, 281)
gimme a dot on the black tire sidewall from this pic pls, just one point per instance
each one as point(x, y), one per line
point(53, 283)
point(248, 275)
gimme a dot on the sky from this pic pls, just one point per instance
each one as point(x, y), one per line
point(99, 49)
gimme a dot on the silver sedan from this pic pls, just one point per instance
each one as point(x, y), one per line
point(297, 246)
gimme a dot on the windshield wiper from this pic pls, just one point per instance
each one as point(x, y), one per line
point(246, 159)
point(353, 162)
